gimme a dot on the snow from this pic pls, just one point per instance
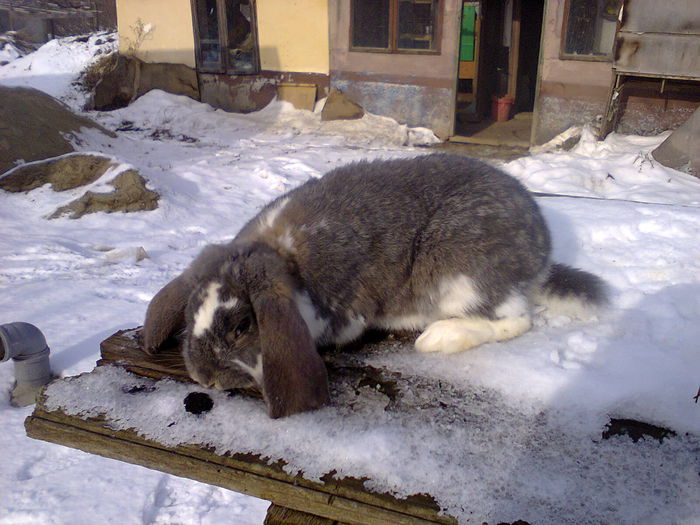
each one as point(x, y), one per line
point(532, 448)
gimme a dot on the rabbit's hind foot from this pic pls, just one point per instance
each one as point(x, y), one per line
point(456, 335)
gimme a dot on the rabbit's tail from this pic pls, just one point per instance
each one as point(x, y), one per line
point(572, 292)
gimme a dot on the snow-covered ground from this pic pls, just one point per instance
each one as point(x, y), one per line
point(630, 220)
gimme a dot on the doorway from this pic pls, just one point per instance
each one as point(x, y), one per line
point(498, 60)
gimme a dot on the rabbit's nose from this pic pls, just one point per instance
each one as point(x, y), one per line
point(205, 381)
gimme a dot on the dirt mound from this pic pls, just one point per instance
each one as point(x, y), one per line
point(339, 107)
point(62, 173)
point(130, 194)
point(34, 126)
point(117, 80)
point(72, 171)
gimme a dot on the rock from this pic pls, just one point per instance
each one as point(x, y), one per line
point(62, 173)
point(27, 114)
point(682, 147)
point(130, 194)
point(340, 107)
point(122, 79)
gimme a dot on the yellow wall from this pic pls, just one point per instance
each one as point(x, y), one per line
point(169, 35)
point(293, 35)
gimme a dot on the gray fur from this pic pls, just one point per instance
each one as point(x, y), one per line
point(385, 244)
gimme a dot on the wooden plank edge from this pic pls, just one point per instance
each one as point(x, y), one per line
point(285, 494)
point(421, 506)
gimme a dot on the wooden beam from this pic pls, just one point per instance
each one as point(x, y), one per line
point(96, 437)
point(514, 54)
point(346, 500)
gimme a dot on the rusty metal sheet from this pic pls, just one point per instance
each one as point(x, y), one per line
point(675, 16)
point(663, 55)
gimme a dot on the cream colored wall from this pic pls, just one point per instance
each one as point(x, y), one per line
point(166, 28)
point(293, 35)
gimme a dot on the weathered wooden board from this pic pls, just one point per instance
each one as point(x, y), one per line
point(345, 500)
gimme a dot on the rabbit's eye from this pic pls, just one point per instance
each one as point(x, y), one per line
point(240, 329)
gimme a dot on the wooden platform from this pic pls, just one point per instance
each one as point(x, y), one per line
point(294, 499)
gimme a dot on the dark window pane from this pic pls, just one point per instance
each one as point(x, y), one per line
point(241, 44)
point(590, 28)
point(208, 26)
point(417, 24)
point(370, 23)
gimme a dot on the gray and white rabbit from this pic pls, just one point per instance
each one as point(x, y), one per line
point(441, 243)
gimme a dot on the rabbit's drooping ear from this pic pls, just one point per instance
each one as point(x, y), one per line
point(294, 375)
point(165, 314)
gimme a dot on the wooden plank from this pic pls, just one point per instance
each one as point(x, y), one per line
point(95, 436)
point(345, 368)
point(277, 515)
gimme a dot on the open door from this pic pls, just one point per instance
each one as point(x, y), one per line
point(498, 59)
point(468, 78)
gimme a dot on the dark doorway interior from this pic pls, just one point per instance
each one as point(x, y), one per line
point(498, 83)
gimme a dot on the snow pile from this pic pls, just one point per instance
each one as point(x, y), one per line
point(8, 52)
point(55, 67)
point(158, 110)
point(620, 167)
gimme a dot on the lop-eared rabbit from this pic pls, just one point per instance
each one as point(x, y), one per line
point(441, 244)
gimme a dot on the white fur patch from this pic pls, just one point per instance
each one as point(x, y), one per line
point(204, 317)
point(256, 372)
point(515, 305)
point(457, 295)
point(286, 240)
point(456, 335)
point(352, 330)
point(405, 322)
point(267, 221)
point(571, 307)
point(317, 324)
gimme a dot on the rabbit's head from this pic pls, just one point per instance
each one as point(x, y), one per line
point(243, 329)
point(222, 345)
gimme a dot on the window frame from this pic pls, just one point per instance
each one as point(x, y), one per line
point(393, 32)
point(224, 66)
point(563, 55)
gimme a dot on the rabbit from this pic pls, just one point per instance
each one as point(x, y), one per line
point(442, 244)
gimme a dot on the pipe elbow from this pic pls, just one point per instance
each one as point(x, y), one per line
point(26, 346)
point(21, 341)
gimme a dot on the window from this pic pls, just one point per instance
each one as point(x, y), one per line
point(225, 36)
point(589, 29)
point(394, 25)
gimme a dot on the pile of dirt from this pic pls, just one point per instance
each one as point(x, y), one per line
point(130, 194)
point(339, 107)
point(36, 126)
point(62, 173)
point(75, 170)
point(117, 80)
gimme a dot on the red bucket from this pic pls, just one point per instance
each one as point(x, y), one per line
point(500, 107)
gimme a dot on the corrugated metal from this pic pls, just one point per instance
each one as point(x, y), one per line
point(654, 54)
point(659, 39)
point(670, 16)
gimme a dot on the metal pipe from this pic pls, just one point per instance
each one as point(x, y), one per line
point(26, 345)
